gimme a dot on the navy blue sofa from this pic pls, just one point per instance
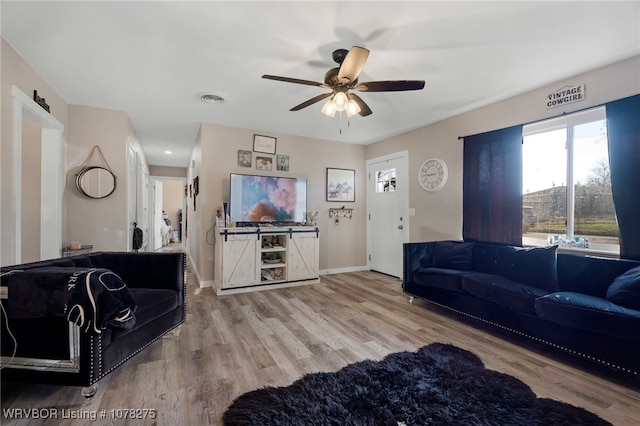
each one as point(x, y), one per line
point(48, 348)
point(584, 305)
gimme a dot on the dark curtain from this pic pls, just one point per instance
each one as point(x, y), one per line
point(492, 187)
point(623, 129)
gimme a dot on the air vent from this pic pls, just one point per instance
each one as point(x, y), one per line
point(211, 98)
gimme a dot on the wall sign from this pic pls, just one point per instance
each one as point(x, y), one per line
point(41, 101)
point(566, 95)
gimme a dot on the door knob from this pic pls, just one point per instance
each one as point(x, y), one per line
point(400, 227)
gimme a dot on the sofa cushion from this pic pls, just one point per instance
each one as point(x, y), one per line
point(152, 304)
point(590, 313)
point(625, 289)
point(63, 263)
point(590, 274)
point(534, 266)
point(453, 255)
point(448, 279)
point(502, 291)
point(82, 262)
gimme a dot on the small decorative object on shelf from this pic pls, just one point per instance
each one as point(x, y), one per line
point(312, 218)
point(75, 249)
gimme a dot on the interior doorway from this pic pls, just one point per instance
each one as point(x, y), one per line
point(387, 212)
point(39, 235)
point(168, 207)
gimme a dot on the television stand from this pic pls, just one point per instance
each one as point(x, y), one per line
point(259, 258)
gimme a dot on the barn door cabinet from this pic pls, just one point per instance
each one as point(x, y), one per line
point(250, 259)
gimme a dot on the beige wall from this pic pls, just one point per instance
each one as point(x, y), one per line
point(172, 196)
point(102, 223)
point(439, 215)
point(168, 171)
point(15, 71)
point(215, 156)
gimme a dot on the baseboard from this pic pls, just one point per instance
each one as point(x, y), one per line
point(205, 284)
point(209, 283)
point(343, 270)
point(201, 284)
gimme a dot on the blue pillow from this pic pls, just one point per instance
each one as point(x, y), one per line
point(534, 266)
point(453, 255)
point(625, 289)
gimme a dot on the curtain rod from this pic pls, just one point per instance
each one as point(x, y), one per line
point(544, 119)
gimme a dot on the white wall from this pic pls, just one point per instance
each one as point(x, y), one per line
point(439, 215)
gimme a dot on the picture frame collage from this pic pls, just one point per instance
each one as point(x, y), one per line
point(263, 145)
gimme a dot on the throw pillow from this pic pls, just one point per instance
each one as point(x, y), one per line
point(453, 255)
point(534, 266)
point(625, 289)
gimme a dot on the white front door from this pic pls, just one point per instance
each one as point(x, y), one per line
point(387, 211)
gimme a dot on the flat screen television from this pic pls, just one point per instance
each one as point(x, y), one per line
point(273, 200)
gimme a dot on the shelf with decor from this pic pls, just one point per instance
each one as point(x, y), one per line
point(273, 255)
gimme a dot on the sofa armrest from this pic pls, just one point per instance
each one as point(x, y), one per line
point(149, 270)
point(418, 255)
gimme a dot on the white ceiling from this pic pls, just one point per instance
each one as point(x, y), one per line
point(152, 59)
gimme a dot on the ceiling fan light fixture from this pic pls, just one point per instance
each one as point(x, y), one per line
point(344, 78)
point(340, 100)
point(352, 108)
point(329, 108)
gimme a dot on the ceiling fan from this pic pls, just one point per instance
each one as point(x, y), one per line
point(344, 78)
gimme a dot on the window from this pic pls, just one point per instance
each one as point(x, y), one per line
point(386, 180)
point(566, 184)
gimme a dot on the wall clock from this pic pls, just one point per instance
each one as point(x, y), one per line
point(433, 174)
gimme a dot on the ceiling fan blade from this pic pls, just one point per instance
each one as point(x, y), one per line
point(294, 80)
point(352, 64)
point(311, 101)
point(364, 108)
point(390, 86)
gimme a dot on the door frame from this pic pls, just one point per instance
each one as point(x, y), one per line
point(154, 216)
point(52, 177)
point(404, 195)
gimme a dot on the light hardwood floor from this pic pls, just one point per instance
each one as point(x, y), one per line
point(233, 344)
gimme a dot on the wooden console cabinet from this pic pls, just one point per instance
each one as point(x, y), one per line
point(249, 259)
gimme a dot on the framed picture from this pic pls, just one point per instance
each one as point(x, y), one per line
point(282, 163)
point(244, 158)
point(341, 185)
point(264, 144)
point(264, 163)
